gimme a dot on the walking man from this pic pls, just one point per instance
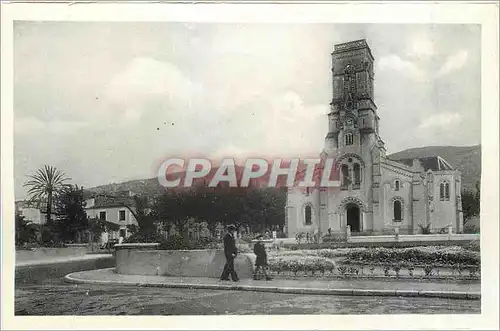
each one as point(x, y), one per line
point(230, 251)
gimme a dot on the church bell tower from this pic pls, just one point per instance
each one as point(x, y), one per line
point(353, 116)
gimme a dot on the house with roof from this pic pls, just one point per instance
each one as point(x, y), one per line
point(115, 211)
point(377, 194)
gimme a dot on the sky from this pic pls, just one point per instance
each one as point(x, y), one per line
point(108, 102)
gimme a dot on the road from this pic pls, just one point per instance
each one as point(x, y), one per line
point(46, 293)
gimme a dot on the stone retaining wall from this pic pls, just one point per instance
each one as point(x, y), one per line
point(44, 253)
point(193, 263)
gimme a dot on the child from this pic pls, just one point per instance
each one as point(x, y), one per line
point(261, 262)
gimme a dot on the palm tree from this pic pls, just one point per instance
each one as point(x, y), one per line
point(44, 184)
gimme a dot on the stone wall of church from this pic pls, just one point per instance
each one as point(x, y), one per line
point(420, 203)
point(396, 186)
point(297, 200)
point(444, 211)
point(338, 203)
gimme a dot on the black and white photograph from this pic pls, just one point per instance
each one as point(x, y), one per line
point(211, 163)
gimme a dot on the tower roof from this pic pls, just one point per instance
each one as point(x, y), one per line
point(352, 45)
point(434, 163)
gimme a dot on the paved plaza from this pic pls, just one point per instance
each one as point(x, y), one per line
point(66, 299)
point(48, 293)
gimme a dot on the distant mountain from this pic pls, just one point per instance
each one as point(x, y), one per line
point(144, 186)
point(152, 187)
point(466, 159)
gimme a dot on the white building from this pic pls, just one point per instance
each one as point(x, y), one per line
point(112, 209)
point(31, 212)
point(376, 194)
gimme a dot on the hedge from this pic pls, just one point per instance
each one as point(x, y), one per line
point(176, 242)
point(473, 245)
point(421, 255)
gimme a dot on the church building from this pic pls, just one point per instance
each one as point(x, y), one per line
point(377, 194)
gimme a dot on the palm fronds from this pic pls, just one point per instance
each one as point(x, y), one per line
point(44, 185)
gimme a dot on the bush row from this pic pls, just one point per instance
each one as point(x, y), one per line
point(312, 265)
point(405, 244)
point(175, 242)
point(427, 255)
point(321, 266)
point(423, 254)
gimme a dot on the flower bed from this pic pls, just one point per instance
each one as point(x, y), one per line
point(417, 262)
point(453, 255)
point(305, 265)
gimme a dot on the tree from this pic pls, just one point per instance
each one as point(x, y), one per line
point(43, 186)
point(173, 208)
point(471, 202)
point(97, 227)
point(140, 208)
point(26, 231)
point(70, 210)
point(256, 209)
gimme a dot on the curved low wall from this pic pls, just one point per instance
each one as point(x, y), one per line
point(195, 263)
point(45, 252)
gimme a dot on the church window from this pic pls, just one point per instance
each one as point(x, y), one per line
point(345, 175)
point(397, 211)
point(444, 191)
point(349, 139)
point(308, 215)
point(396, 185)
point(357, 174)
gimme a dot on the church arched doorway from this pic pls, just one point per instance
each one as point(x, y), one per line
point(353, 217)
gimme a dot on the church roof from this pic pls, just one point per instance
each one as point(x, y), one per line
point(434, 163)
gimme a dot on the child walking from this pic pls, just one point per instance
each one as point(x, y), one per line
point(261, 261)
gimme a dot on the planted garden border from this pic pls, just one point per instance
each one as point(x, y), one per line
point(427, 262)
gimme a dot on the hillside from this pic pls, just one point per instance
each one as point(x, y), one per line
point(152, 187)
point(466, 159)
point(145, 186)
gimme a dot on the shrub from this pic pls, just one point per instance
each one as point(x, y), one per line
point(354, 270)
point(417, 255)
point(297, 264)
point(334, 238)
point(471, 229)
point(248, 237)
point(428, 270)
point(173, 242)
point(397, 269)
point(144, 238)
point(474, 245)
point(299, 237)
point(343, 270)
point(425, 229)
point(473, 270)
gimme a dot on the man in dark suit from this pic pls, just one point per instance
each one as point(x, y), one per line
point(230, 251)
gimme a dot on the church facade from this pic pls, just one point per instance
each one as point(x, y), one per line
point(377, 194)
